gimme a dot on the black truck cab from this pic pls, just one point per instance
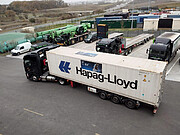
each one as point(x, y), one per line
point(35, 63)
point(108, 45)
point(161, 49)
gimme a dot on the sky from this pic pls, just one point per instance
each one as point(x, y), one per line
point(9, 1)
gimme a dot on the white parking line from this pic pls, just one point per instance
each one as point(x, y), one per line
point(172, 67)
point(33, 112)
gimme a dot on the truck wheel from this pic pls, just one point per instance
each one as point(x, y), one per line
point(62, 81)
point(130, 50)
point(18, 53)
point(175, 53)
point(34, 78)
point(126, 53)
point(116, 99)
point(81, 39)
point(28, 76)
point(72, 42)
point(129, 103)
point(103, 95)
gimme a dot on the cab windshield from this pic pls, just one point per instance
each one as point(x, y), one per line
point(155, 52)
point(17, 48)
point(89, 36)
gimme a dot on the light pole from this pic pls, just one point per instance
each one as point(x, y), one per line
point(132, 15)
point(149, 5)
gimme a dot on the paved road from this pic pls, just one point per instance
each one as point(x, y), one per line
point(49, 109)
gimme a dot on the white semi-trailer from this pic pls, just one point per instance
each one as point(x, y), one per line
point(122, 79)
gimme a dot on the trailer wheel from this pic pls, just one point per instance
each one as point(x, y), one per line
point(116, 99)
point(72, 42)
point(103, 95)
point(175, 53)
point(62, 81)
point(129, 103)
point(130, 50)
point(126, 53)
point(81, 39)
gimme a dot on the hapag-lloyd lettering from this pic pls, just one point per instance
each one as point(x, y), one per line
point(101, 78)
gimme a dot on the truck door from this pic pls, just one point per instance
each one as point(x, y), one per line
point(22, 49)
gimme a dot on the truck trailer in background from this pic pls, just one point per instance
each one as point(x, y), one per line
point(121, 79)
point(119, 45)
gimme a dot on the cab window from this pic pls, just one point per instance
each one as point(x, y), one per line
point(22, 47)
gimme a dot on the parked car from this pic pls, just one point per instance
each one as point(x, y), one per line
point(91, 37)
point(21, 48)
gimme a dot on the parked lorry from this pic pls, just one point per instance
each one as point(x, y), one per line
point(119, 45)
point(111, 44)
point(127, 80)
point(46, 34)
point(165, 47)
point(71, 35)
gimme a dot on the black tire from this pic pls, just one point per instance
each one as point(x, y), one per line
point(62, 81)
point(116, 99)
point(72, 42)
point(103, 95)
point(18, 53)
point(126, 53)
point(130, 50)
point(129, 103)
point(175, 53)
point(35, 78)
point(28, 76)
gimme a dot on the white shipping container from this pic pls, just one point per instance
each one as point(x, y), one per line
point(135, 78)
point(150, 24)
point(176, 24)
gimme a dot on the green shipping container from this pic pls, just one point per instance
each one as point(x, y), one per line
point(119, 23)
point(92, 22)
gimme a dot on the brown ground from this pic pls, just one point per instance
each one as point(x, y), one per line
point(49, 15)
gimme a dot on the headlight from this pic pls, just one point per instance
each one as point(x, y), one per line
point(98, 48)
